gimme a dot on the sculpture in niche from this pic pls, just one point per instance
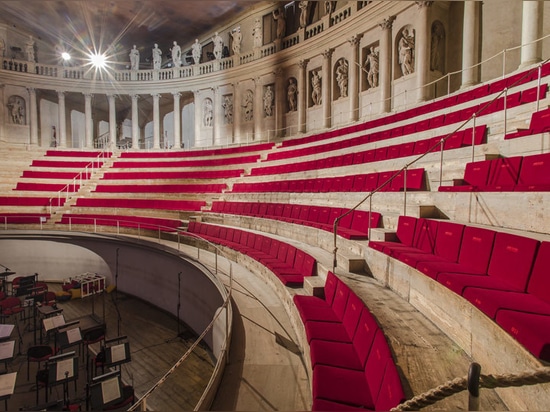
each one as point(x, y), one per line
point(157, 59)
point(208, 116)
point(257, 33)
point(248, 106)
point(291, 92)
point(316, 95)
point(437, 45)
point(218, 46)
point(176, 54)
point(372, 67)
point(268, 101)
point(134, 58)
point(29, 47)
point(2, 47)
point(342, 77)
point(196, 50)
point(406, 52)
point(303, 13)
point(279, 17)
point(237, 38)
point(16, 107)
point(228, 109)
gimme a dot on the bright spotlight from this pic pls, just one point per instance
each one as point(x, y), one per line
point(65, 56)
point(99, 61)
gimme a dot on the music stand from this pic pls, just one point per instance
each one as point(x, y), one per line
point(7, 386)
point(106, 390)
point(117, 353)
point(63, 369)
point(68, 336)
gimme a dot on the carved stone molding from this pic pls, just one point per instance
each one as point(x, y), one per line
point(355, 39)
point(387, 23)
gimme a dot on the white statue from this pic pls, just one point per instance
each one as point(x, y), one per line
point(248, 106)
point(257, 33)
point(316, 94)
point(237, 38)
point(2, 47)
point(406, 49)
point(328, 7)
point(218, 46)
point(291, 92)
point(17, 111)
point(303, 13)
point(197, 51)
point(342, 77)
point(208, 113)
point(279, 17)
point(228, 109)
point(157, 59)
point(176, 54)
point(268, 102)
point(372, 67)
point(30, 49)
point(134, 58)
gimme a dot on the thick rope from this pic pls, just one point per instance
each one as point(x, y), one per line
point(457, 385)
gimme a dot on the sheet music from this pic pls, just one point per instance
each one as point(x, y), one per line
point(73, 335)
point(110, 390)
point(6, 349)
point(7, 383)
point(118, 353)
point(53, 322)
point(6, 330)
point(66, 365)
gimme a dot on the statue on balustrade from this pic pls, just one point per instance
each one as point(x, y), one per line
point(237, 38)
point(218, 46)
point(16, 107)
point(291, 92)
point(372, 67)
point(157, 57)
point(134, 58)
point(228, 109)
point(176, 54)
point(406, 52)
point(248, 106)
point(208, 113)
point(342, 77)
point(328, 7)
point(30, 49)
point(196, 51)
point(303, 13)
point(279, 17)
point(268, 101)
point(257, 33)
point(316, 94)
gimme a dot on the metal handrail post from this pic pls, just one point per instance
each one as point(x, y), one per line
point(474, 374)
point(442, 142)
point(405, 191)
point(95, 225)
point(473, 137)
point(505, 109)
point(538, 86)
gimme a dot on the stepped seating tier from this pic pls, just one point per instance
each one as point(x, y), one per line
point(197, 153)
point(353, 368)
point(23, 218)
point(45, 187)
point(495, 271)
point(354, 226)
point(76, 153)
point(196, 174)
point(36, 174)
point(161, 188)
point(186, 163)
point(31, 201)
point(289, 264)
point(160, 204)
point(141, 222)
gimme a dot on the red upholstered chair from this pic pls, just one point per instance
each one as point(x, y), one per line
point(406, 226)
point(38, 354)
point(529, 329)
point(534, 174)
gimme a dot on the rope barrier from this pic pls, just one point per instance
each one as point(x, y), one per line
point(541, 375)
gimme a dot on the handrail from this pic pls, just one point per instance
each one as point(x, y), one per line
point(440, 143)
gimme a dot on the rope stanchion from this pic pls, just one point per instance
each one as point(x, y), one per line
point(535, 377)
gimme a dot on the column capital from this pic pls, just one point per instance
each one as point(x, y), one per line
point(327, 54)
point(355, 39)
point(112, 96)
point(88, 95)
point(387, 23)
point(303, 63)
point(278, 72)
point(134, 96)
point(31, 90)
point(60, 93)
point(155, 95)
point(257, 80)
point(421, 4)
point(176, 94)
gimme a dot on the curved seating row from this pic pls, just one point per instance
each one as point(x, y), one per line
point(69, 164)
point(141, 222)
point(23, 218)
point(352, 183)
point(161, 188)
point(518, 173)
point(75, 153)
point(161, 204)
point(503, 274)
point(459, 139)
point(197, 153)
point(286, 261)
point(352, 364)
point(539, 123)
point(354, 226)
point(38, 174)
point(31, 201)
point(191, 174)
point(186, 163)
point(45, 187)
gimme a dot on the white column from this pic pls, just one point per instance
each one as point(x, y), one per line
point(258, 108)
point(219, 117)
point(302, 96)
point(384, 60)
point(327, 88)
point(88, 125)
point(177, 120)
point(353, 92)
point(237, 116)
point(135, 121)
point(279, 103)
point(470, 44)
point(198, 117)
point(531, 30)
point(61, 119)
point(422, 57)
point(112, 121)
point(156, 121)
point(34, 116)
